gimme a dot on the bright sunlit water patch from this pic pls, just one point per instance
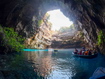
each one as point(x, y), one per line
point(35, 49)
point(58, 19)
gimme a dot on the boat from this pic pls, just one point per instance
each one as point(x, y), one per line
point(99, 73)
point(55, 50)
point(86, 56)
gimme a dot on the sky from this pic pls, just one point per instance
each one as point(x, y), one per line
point(58, 19)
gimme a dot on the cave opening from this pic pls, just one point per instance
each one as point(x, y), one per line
point(26, 17)
point(58, 19)
point(33, 26)
point(64, 33)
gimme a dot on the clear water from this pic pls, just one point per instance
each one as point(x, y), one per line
point(63, 65)
point(54, 65)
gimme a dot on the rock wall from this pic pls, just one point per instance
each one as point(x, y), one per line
point(87, 15)
point(24, 16)
point(73, 39)
point(19, 14)
point(42, 39)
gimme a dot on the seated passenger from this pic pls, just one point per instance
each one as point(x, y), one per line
point(83, 52)
point(90, 52)
point(80, 53)
point(76, 51)
point(86, 52)
point(83, 48)
point(94, 51)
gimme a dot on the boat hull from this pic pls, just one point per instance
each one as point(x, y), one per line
point(99, 73)
point(86, 56)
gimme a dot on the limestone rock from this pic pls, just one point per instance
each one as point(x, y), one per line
point(42, 39)
point(88, 15)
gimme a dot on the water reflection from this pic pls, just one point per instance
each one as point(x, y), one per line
point(51, 65)
point(48, 65)
point(62, 64)
point(16, 67)
point(42, 61)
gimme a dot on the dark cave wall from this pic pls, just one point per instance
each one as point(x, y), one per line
point(88, 15)
point(19, 14)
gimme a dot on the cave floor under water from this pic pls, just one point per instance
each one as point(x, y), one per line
point(46, 64)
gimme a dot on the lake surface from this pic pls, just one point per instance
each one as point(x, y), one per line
point(43, 64)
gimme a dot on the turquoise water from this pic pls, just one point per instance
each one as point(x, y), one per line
point(46, 64)
point(35, 50)
point(63, 65)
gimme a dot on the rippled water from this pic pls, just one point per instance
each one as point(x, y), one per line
point(63, 65)
point(44, 64)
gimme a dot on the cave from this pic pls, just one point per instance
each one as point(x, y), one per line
point(25, 15)
point(24, 25)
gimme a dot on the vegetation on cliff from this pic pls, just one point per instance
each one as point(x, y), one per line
point(66, 29)
point(40, 22)
point(45, 18)
point(11, 40)
point(101, 38)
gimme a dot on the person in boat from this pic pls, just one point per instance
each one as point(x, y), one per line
point(83, 50)
point(95, 51)
point(90, 52)
point(76, 51)
point(86, 52)
point(80, 53)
